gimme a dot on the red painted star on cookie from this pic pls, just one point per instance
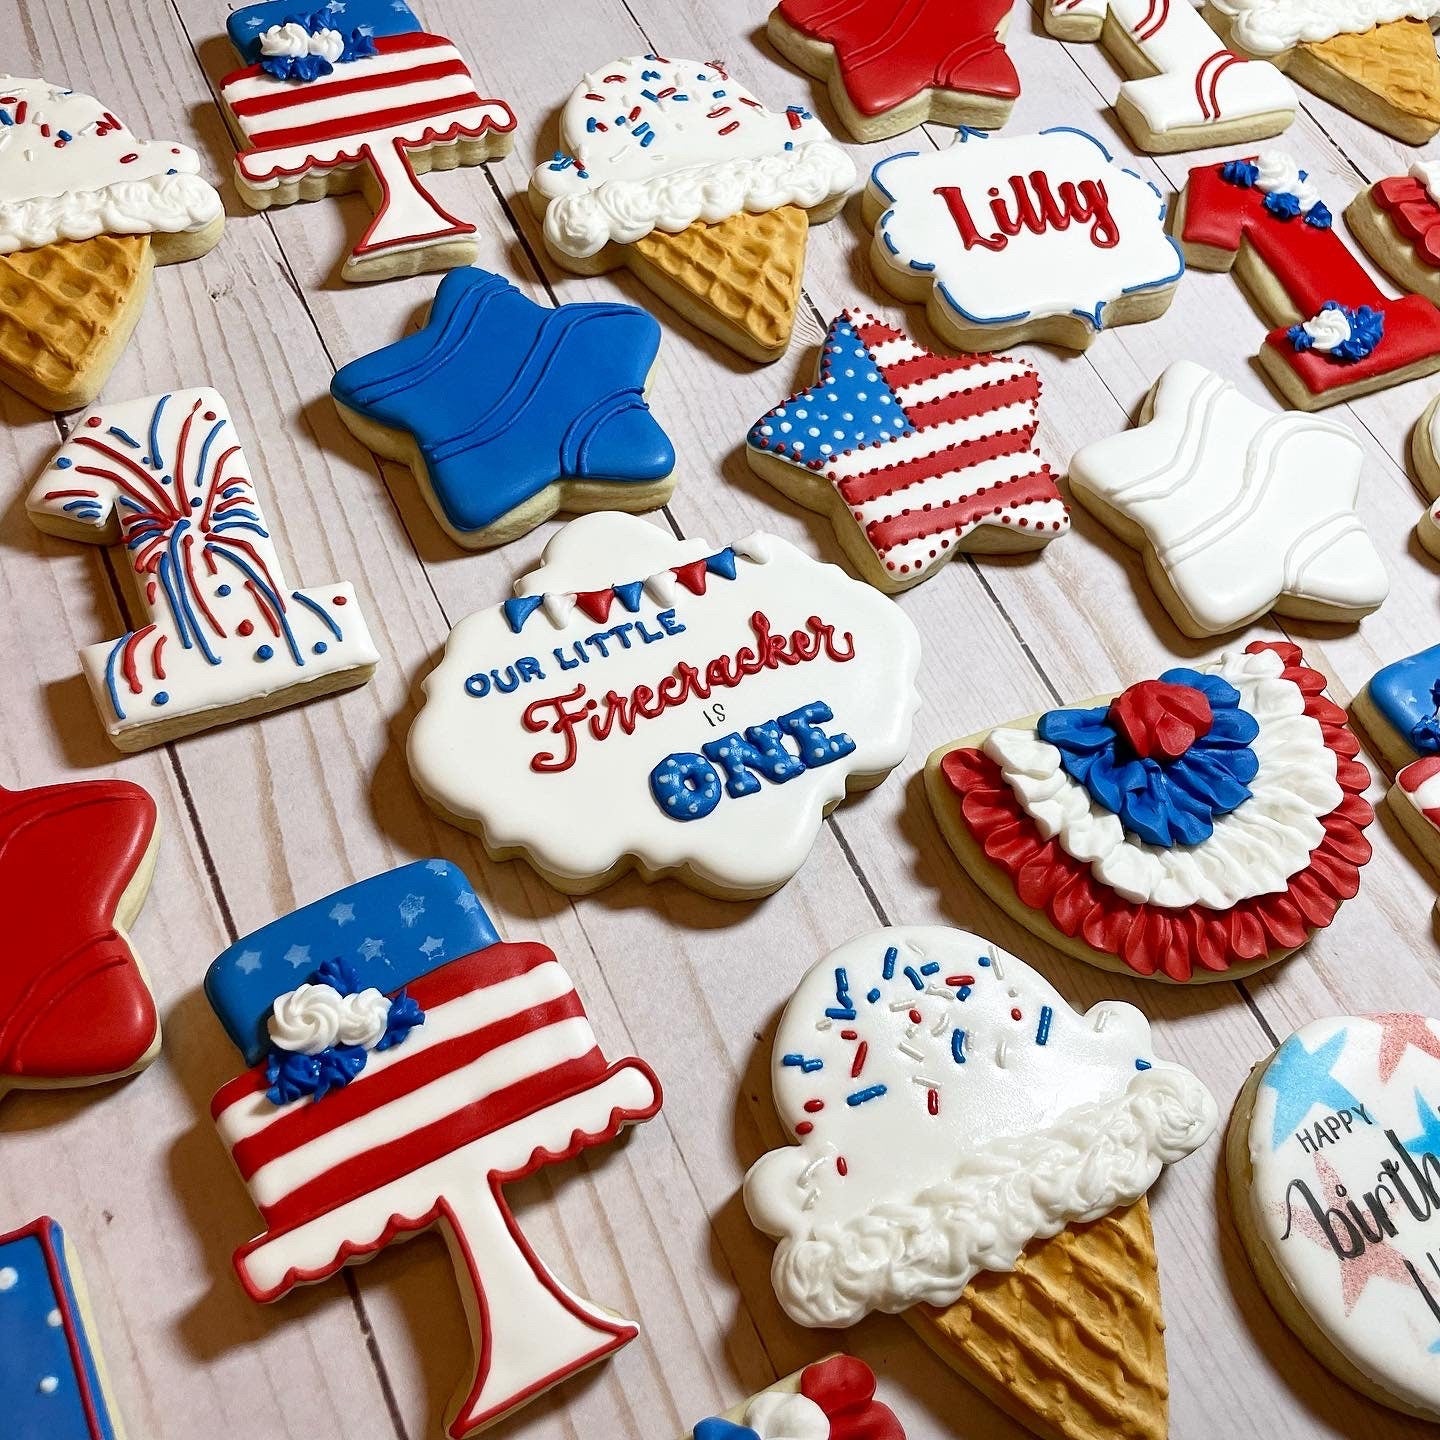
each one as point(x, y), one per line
point(1400, 1031)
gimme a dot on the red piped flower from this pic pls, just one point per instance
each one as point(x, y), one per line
point(1159, 720)
point(844, 1388)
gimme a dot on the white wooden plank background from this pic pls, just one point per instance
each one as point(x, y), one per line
point(264, 817)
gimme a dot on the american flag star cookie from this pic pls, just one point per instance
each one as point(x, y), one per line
point(915, 457)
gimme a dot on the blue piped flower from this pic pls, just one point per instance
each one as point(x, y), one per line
point(718, 1429)
point(405, 1015)
point(339, 976)
point(1361, 330)
point(1243, 173)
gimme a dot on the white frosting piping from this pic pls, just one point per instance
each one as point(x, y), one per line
point(1268, 27)
point(312, 1018)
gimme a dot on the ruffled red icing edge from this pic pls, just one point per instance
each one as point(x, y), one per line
point(1153, 939)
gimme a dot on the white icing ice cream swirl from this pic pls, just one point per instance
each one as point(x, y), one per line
point(1268, 27)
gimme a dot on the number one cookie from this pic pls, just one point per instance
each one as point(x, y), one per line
point(223, 635)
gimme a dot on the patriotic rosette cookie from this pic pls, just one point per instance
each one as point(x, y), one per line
point(1197, 827)
point(833, 1399)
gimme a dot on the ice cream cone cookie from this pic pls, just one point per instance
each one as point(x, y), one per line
point(1373, 58)
point(87, 209)
point(1238, 510)
point(1193, 828)
point(673, 169)
point(915, 457)
point(953, 1120)
point(406, 1065)
point(224, 636)
point(507, 411)
point(666, 705)
point(357, 96)
point(1425, 452)
point(75, 1004)
point(1042, 237)
point(894, 64)
point(1333, 1155)
point(1397, 220)
point(53, 1382)
point(1185, 90)
point(833, 1399)
point(1336, 335)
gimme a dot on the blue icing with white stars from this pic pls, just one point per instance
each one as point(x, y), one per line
point(1407, 695)
point(390, 929)
point(370, 17)
point(43, 1390)
point(852, 405)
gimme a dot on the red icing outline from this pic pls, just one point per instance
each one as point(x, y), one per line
point(1152, 939)
point(1312, 265)
point(1412, 212)
point(844, 1388)
point(890, 51)
point(73, 1003)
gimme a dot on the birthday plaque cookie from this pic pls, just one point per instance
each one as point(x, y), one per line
point(1333, 1155)
point(666, 705)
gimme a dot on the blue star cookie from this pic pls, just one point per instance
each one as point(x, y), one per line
point(508, 411)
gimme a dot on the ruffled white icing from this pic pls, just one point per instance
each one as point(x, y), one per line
point(782, 1415)
point(294, 40)
point(1252, 851)
point(163, 204)
point(312, 1018)
point(1267, 27)
point(999, 1198)
point(1327, 329)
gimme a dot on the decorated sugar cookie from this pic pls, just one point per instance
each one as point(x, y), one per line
point(1196, 827)
point(673, 169)
point(1425, 452)
point(1038, 237)
point(949, 1110)
point(1186, 90)
point(833, 1399)
point(75, 866)
point(1336, 335)
point(1414, 799)
point(53, 1384)
point(224, 636)
point(407, 1064)
point(1238, 510)
point(87, 210)
point(666, 705)
point(1399, 710)
point(507, 411)
point(1333, 1152)
point(357, 96)
point(1374, 58)
point(1397, 220)
point(895, 64)
point(916, 457)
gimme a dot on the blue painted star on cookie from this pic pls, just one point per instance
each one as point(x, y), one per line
point(505, 399)
point(1301, 1080)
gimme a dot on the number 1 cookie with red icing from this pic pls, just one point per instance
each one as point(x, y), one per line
point(895, 64)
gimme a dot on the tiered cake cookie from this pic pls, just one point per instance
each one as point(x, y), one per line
point(372, 1113)
point(75, 867)
point(668, 706)
point(87, 210)
point(1399, 710)
point(972, 1152)
point(1425, 452)
point(672, 168)
point(1397, 220)
point(1196, 827)
point(357, 96)
point(833, 1399)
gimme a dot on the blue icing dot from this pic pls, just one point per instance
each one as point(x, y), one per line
point(162, 697)
point(64, 462)
point(222, 590)
point(320, 647)
point(265, 652)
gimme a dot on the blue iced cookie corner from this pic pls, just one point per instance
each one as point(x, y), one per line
point(1407, 696)
point(371, 17)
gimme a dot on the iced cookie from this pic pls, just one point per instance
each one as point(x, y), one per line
point(75, 1004)
point(1425, 452)
point(915, 457)
point(1336, 335)
point(1414, 800)
point(1039, 237)
point(1332, 1153)
point(359, 97)
point(507, 411)
point(1397, 220)
point(972, 1152)
point(407, 1065)
point(53, 1384)
point(673, 169)
point(1238, 510)
point(1374, 58)
point(87, 210)
point(1193, 828)
point(894, 64)
point(833, 1399)
point(224, 637)
point(1399, 710)
point(1186, 91)
point(666, 705)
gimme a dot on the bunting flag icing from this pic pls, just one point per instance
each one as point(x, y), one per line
point(666, 705)
point(508, 411)
point(52, 1378)
point(917, 457)
point(224, 636)
point(358, 91)
point(496, 1074)
point(1198, 827)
